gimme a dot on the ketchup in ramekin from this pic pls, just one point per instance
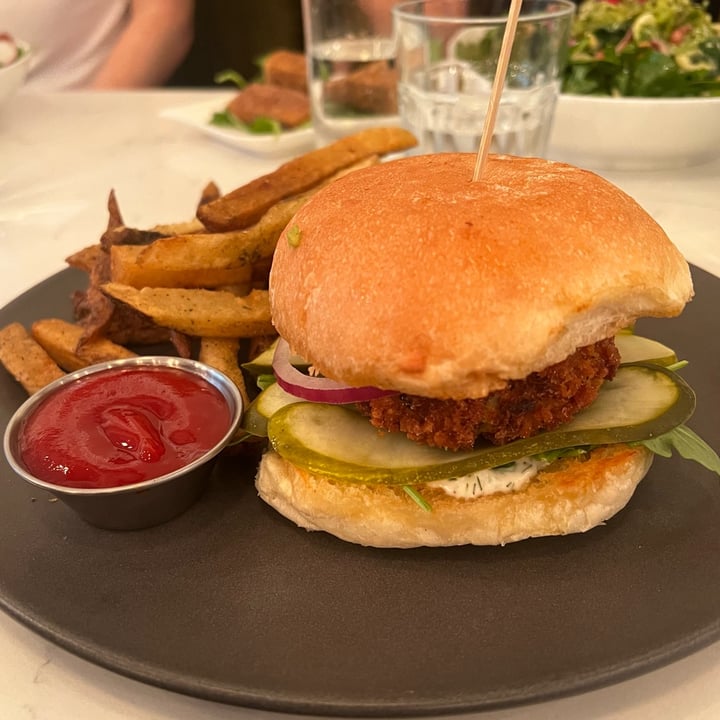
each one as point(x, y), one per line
point(127, 444)
point(123, 426)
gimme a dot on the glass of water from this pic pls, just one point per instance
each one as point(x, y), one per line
point(446, 55)
point(351, 65)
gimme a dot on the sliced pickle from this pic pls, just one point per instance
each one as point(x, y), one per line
point(262, 364)
point(262, 408)
point(643, 401)
point(636, 348)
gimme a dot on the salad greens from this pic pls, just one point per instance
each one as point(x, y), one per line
point(643, 48)
point(259, 126)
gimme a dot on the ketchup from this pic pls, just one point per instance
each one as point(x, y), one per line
point(123, 426)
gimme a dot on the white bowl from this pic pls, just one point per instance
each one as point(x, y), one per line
point(635, 133)
point(13, 76)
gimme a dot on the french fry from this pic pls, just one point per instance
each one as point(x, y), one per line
point(187, 227)
point(222, 354)
point(175, 268)
point(86, 258)
point(178, 281)
point(61, 341)
point(199, 312)
point(202, 260)
point(209, 193)
point(245, 205)
point(114, 215)
point(239, 290)
point(25, 360)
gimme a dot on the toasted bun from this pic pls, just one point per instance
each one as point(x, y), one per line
point(568, 497)
point(409, 276)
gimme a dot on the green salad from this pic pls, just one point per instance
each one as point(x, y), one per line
point(651, 48)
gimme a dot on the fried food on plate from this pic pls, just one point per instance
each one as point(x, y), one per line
point(199, 312)
point(246, 204)
point(86, 258)
point(202, 260)
point(61, 340)
point(484, 370)
point(178, 268)
point(25, 360)
point(286, 68)
point(175, 283)
point(289, 107)
point(222, 354)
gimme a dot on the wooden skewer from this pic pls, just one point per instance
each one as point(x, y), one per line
point(497, 88)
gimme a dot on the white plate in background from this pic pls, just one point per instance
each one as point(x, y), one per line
point(629, 133)
point(197, 116)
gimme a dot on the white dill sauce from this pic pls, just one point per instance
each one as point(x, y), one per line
point(508, 478)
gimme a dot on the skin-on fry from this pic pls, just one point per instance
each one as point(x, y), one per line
point(114, 215)
point(174, 265)
point(199, 312)
point(188, 227)
point(203, 260)
point(222, 354)
point(61, 341)
point(210, 192)
point(245, 205)
point(86, 258)
point(25, 360)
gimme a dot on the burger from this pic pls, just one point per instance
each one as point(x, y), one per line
point(456, 363)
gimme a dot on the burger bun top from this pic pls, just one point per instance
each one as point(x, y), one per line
point(411, 276)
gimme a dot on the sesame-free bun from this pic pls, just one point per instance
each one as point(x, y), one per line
point(410, 276)
point(569, 496)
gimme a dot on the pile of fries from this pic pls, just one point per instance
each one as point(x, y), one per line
point(200, 285)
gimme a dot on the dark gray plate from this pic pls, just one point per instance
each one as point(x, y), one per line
point(232, 603)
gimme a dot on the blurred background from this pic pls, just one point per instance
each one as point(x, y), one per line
point(237, 33)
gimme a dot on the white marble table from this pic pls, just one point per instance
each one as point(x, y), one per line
point(59, 157)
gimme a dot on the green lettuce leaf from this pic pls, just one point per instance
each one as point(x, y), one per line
point(259, 126)
point(687, 444)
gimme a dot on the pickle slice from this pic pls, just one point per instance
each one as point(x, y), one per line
point(262, 408)
point(262, 363)
point(642, 401)
point(636, 348)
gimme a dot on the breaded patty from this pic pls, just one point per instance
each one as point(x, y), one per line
point(542, 401)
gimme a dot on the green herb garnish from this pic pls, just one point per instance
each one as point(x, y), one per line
point(231, 76)
point(225, 118)
point(259, 126)
point(417, 498)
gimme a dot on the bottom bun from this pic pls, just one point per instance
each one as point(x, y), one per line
point(569, 496)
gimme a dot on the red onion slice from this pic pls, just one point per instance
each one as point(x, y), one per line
point(317, 389)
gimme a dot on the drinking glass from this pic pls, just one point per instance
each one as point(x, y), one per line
point(446, 55)
point(352, 78)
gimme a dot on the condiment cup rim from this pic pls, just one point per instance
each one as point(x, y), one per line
point(215, 377)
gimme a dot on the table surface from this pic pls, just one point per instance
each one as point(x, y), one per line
point(60, 154)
